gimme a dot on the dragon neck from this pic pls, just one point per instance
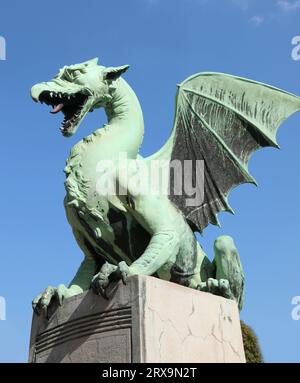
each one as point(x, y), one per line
point(125, 128)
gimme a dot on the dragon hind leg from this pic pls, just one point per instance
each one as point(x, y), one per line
point(229, 267)
point(227, 277)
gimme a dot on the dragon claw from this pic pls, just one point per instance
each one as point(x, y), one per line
point(217, 287)
point(109, 273)
point(99, 285)
point(122, 272)
point(42, 302)
point(224, 288)
point(101, 280)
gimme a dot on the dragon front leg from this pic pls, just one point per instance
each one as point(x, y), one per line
point(161, 247)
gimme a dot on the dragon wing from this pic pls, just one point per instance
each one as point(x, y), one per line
point(221, 120)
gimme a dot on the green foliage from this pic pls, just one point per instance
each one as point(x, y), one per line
point(251, 345)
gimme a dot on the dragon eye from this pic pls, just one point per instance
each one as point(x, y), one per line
point(77, 73)
point(67, 75)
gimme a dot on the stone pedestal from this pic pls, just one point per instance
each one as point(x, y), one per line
point(146, 320)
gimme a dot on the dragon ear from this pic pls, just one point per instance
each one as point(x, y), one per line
point(91, 62)
point(112, 73)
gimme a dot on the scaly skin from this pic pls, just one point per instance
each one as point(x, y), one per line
point(171, 250)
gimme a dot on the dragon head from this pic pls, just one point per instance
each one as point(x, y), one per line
point(77, 90)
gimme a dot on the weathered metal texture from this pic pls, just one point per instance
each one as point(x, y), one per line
point(222, 120)
point(219, 119)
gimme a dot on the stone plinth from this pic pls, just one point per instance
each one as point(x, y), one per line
point(147, 320)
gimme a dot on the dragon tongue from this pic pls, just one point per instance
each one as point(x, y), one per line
point(57, 108)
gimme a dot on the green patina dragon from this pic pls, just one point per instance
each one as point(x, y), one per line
point(220, 121)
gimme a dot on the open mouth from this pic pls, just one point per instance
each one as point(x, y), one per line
point(71, 105)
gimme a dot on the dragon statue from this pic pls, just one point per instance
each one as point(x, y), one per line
point(220, 120)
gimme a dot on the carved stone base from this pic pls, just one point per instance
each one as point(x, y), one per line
point(148, 320)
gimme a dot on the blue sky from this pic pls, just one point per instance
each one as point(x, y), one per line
point(164, 41)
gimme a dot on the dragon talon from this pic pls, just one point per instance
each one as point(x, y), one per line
point(124, 278)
